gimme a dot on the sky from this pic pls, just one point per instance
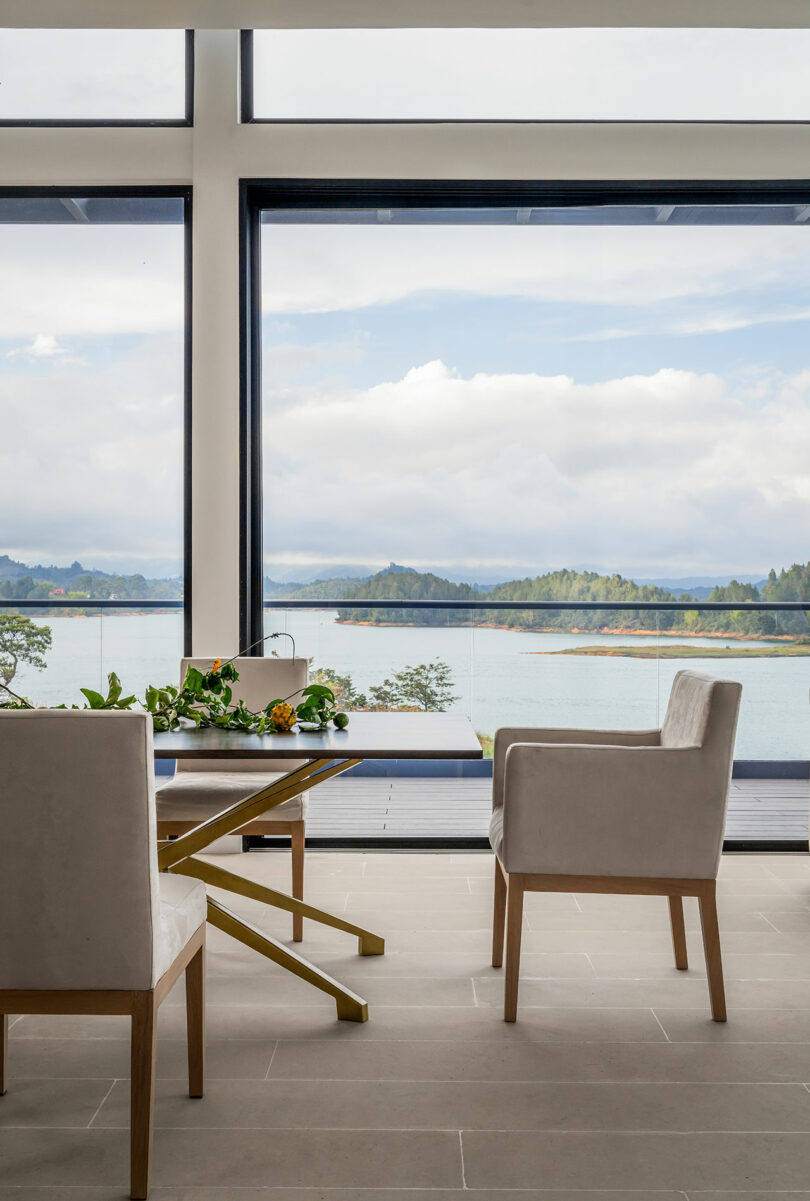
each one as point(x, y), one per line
point(86, 73)
point(526, 398)
point(485, 400)
point(91, 388)
point(550, 74)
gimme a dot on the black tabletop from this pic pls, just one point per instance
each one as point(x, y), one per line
point(368, 736)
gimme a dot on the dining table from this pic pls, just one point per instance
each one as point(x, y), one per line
point(320, 755)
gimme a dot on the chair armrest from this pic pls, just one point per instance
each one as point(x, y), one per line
point(509, 735)
point(612, 811)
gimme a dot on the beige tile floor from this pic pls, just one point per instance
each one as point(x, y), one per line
point(614, 1083)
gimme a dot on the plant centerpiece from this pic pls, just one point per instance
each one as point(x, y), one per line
point(318, 708)
point(205, 699)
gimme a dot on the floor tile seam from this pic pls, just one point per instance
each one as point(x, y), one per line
point(102, 1103)
point(476, 1082)
point(269, 1066)
point(461, 1157)
point(454, 1042)
point(628, 1133)
point(612, 1131)
point(661, 1024)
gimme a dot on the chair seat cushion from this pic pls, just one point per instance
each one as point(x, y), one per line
point(496, 831)
point(198, 795)
point(182, 909)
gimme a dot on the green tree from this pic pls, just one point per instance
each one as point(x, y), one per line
point(21, 641)
point(346, 695)
point(427, 687)
point(385, 695)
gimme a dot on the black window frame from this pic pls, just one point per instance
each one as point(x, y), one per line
point(119, 122)
point(185, 194)
point(288, 193)
point(248, 116)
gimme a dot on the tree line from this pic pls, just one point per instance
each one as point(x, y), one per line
point(588, 586)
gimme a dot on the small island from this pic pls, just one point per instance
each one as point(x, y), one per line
point(685, 652)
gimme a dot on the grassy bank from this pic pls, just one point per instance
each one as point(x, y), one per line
point(687, 652)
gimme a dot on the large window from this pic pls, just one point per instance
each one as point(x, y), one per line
point(95, 75)
point(599, 399)
point(92, 398)
point(530, 74)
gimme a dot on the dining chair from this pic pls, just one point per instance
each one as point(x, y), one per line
point(200, 788)
point(88, 925)
point(617, 811)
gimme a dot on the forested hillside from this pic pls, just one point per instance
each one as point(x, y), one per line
point(791, 584)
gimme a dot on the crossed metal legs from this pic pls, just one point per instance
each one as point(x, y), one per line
point(178, 856)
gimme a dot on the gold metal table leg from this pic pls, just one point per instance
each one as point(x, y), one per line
point(178, 856)
point(218, 877)
point(243, 812)
point(350, 1007)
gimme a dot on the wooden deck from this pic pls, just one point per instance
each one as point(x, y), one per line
point(391, 809)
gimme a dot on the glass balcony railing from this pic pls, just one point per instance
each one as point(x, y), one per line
point(141, 641)
point(618, 675)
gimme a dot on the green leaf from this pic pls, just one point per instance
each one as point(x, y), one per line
point(193, 680)
point(95, 699)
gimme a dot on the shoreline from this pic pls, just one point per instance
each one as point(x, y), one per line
point(795, 651)
point(621, 631)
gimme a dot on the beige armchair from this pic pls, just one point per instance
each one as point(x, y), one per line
point(87, 923)
point(615, 811)
point(200, 788)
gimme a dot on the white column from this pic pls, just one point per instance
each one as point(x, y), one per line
point(215, 346)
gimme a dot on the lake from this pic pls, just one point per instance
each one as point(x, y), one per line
point(497, 678)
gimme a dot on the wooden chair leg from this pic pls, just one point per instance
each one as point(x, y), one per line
point(678, 933)
point(195, 1022)
point(3, 1053)
point(711, 947)
point(499, 915)
point(142, 1107)
point(298, 840)
point(514, 923)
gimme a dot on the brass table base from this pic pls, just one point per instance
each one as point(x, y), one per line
point(178, 856)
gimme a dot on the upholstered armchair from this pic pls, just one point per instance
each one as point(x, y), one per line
point(200, 788)
point(615, 811)
point(87, 923)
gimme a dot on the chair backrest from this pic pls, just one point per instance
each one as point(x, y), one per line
point(702, 711)
point(78, 857)
point(260, 681)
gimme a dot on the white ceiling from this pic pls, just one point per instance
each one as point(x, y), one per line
point(259, 14)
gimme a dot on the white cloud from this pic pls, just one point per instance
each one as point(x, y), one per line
point(89, 279)
point(91, 458)
point(672, 470)
point(44, 346)
point(87, 73)
point(609, 74)
point(326, 268)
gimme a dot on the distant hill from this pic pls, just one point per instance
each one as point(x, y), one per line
point(21, 581)
point(586, 586)
point(13, 569)
point(320, 589)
